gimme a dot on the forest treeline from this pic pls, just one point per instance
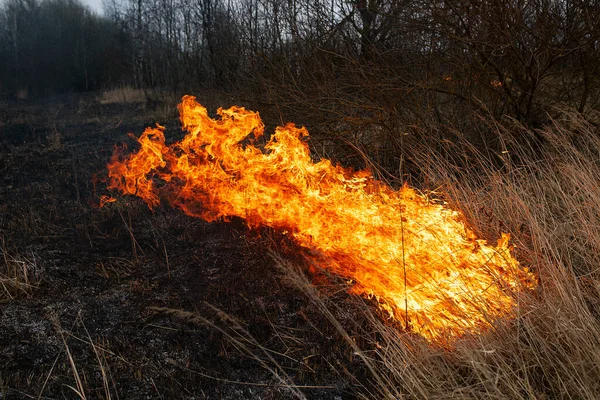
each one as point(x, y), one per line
point(365, 58)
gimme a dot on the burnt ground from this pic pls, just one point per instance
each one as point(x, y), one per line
point(124, 302)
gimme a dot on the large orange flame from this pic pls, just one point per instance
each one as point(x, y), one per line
point(417, 257)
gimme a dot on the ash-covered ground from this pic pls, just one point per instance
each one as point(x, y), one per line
point(126, 303)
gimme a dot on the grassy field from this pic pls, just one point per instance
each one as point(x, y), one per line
point(124, 302)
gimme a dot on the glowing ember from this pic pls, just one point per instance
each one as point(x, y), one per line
point(415, 256)
point(104, 200)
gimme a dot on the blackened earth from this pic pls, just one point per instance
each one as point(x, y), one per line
point(132, 303)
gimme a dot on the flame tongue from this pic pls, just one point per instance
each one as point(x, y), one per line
point(417, 257)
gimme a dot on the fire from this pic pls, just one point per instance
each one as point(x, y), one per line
point(104, 200)
point(414, 255)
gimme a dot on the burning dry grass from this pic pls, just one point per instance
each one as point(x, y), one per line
point(542, 188)
point(416, 257)
point(547, 197)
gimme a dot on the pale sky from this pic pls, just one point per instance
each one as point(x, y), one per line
point(95, 5)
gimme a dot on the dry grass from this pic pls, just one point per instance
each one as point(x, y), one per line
point(19, 276)
point(548, 199)
point(547, 196)
point(80, 389)
point(54, 139)
point(123, 95)
point(242, 340)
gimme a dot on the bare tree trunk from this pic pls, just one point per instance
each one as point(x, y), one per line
point(16, 50)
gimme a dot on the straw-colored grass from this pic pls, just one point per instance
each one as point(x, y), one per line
point(547, 196)
point(123, 95)
point(19, 276)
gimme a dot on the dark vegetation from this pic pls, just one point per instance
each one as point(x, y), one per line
point(374, 61)
point(494, 104)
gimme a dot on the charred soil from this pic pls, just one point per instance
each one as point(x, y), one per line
point(124, 302)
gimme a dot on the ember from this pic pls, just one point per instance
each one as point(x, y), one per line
point(414, 255)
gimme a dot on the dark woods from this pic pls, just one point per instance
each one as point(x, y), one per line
point(370, 59)
point(58, 46)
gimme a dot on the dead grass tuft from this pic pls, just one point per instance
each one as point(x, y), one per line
point(19, 276)
point(54, 139)
point(123, 95)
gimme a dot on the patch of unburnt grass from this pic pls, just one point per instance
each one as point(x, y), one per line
point(542, 188)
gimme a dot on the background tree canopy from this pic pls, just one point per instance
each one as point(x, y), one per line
point(362, 57)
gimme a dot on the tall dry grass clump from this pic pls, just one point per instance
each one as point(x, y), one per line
point(542, 187)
